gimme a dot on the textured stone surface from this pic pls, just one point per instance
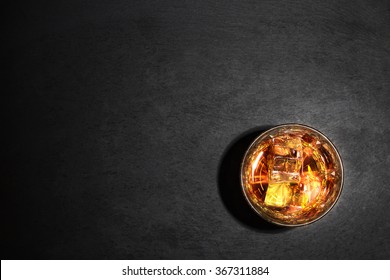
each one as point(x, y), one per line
point(126, 121)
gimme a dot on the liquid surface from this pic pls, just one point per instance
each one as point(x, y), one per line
point(292, 175)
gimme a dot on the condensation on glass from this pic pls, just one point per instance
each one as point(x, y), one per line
point(292, 175)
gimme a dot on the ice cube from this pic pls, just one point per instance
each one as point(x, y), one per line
point(284, 169)
point(287, 146)
point(311, 187)
point(278, 195)
point(295, 146)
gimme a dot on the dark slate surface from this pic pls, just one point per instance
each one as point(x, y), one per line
point(125, 123)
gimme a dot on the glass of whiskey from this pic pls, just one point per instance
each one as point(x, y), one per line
point(292, 175)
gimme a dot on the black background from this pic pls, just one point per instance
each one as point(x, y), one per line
point(125, 123)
